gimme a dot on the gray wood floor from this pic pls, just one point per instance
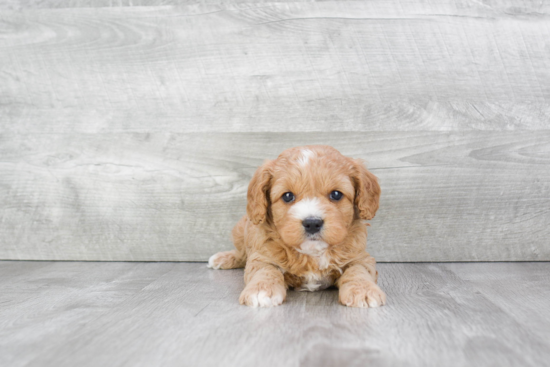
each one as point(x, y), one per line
point(183, 314)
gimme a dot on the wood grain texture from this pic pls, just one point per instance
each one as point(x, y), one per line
point(461, 7)
point(130, 129)
point(468, 196)
point(145, 314)
point(513, 288)
point(299, 66)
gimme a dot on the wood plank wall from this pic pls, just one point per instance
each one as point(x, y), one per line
point(129, 130)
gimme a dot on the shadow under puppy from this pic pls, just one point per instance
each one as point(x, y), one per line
point(305, 228)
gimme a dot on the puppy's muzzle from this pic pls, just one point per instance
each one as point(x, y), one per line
point(312, 225)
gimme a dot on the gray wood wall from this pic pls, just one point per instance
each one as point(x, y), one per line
point(130, 129)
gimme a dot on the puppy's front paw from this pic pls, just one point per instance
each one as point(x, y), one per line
point(262, 295)
point(225, 260)
point(355, 294)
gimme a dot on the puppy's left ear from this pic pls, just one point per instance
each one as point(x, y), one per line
point(367, 190)
point(258, 201)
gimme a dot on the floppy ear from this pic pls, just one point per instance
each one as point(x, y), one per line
point(258, 199)
point(367, 190)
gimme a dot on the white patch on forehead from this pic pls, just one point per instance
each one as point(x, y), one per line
point(306, 155)
point(307, 208)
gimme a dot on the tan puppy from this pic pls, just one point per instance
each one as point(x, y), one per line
point(305, 228)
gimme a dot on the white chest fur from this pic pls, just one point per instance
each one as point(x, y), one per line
point(317, 250)
point(314, 281)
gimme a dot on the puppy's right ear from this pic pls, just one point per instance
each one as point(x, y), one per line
point(258, 201)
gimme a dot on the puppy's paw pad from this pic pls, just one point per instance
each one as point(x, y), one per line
point(261, 297)
point(363, 296)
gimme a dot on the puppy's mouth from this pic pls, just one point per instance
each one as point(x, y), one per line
point(314, 237)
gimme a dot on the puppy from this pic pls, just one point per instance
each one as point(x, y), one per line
point(305, 229)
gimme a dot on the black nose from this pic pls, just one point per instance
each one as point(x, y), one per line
point(312, 225)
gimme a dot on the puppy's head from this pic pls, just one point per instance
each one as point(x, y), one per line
point(312, 193)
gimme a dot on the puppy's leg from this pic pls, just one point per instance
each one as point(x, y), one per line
point(235, 258)
point(265, 285)
point(358, 285)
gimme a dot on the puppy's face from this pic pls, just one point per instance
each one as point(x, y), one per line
point(312, 193)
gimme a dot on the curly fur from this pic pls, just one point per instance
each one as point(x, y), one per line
point(277, 253)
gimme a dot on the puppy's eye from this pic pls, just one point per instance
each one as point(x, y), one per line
point(336, 195)
point(288, 197)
